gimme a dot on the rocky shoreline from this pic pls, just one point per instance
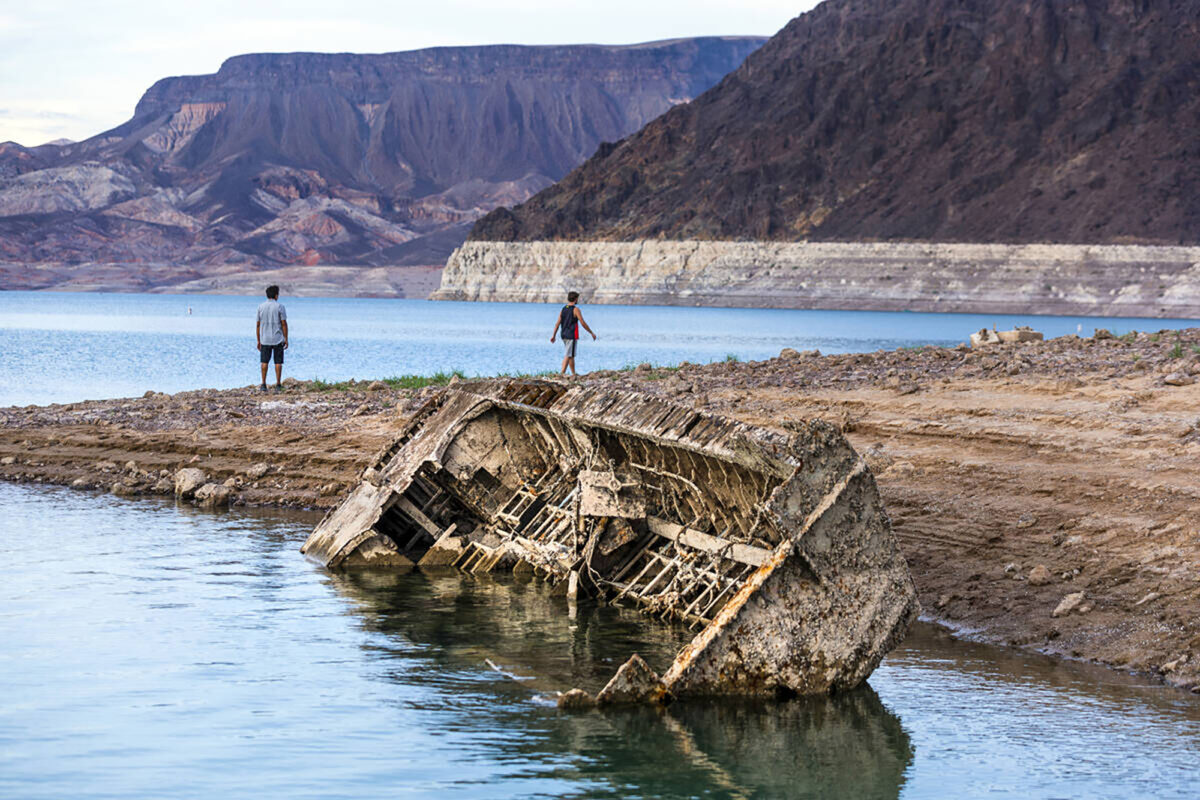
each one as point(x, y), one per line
point(1044, 494)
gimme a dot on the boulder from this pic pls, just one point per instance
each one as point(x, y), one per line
point(1039, 575)
point(213, 495)
point(188, 480)
point(1068, 604)
point(257, 471)
point(576, 700)
point(635, 682)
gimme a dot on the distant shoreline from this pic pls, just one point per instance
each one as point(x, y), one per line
point(415, 282)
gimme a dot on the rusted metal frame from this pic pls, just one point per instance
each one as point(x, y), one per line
point(700, 576)
point(649, 563)
point(647, 540)
point(735, 582)
point(668, 564)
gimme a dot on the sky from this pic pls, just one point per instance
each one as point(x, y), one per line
point(74, 68)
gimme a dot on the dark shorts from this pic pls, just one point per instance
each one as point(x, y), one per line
point(265, 351)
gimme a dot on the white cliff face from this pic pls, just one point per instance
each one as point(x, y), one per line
point(1106, 280)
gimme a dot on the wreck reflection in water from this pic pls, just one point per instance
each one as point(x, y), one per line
point(847, 746)
point(148, 650)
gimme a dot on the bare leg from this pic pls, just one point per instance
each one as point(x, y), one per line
point(571, 361)
point(566, 361)
point(278, 374)
point(264, 373)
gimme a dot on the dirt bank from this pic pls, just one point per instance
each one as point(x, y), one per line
point(1022, 480)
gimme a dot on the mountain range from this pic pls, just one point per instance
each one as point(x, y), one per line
point(317, 159)
point(986, 121)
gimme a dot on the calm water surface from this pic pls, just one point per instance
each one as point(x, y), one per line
point(154, 651)
point(61, 347)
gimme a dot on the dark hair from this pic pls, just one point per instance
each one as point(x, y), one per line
point(572, 297)
point(273, 292)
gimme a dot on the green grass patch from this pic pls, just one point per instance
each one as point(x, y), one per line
point(395, 382)
point(1128, 337)
point(1176, 351)
point(731, 358)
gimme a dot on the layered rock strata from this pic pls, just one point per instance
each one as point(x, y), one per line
point(1105, 280)
point(300, 159)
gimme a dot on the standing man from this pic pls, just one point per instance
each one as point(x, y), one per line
point(569, 320)
point(271, 331)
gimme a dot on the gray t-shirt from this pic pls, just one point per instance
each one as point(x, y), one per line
point(271, 315)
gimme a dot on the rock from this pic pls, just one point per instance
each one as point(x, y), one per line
point(1149, 598)
point(943, 601)
point(79, 483)
point(635, 682)
point(362, 410)
point(123, 490)
point(257, 471)
point(1068, 604)
point(789, 352)
point(377, 386)
point(8, 461)
point(131, 466)
point(231, 483)
point(877, 460)
point(1171, 666)
point(106, 466)
point(163, 486)
point(1102, 333)
point(643, 367)
point(1040, 576)
point(1012, 567)
point(213, 495)
point(1026, 521)
point(576, 700)
point(148, 394)
point(1179, 379)
point(188, 480)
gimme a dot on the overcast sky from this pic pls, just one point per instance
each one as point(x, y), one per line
point(75, 68)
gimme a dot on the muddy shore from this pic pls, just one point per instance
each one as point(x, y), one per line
point(1046, 495)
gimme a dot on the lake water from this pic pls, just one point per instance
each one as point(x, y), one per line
point(61, 347)
point(150, 651)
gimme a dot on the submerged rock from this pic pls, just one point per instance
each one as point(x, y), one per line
point(188, 480)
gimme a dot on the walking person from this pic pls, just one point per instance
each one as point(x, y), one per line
point(271, 332)
point(569, 320)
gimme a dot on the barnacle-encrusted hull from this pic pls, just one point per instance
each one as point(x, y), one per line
point(775, 544)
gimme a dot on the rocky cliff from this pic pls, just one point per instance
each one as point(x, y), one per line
point(305, 159)
point(1074, 121)
point(1113, 280)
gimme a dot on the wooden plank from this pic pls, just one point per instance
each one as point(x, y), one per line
point(418, 516)
point(742, 553)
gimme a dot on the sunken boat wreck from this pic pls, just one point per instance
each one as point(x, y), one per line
point(774, 544)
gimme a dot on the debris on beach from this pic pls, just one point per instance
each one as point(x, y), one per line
point(774, 545)
point(1019, 334)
